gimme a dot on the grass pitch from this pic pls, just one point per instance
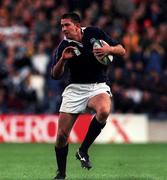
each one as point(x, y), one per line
point(110, 162)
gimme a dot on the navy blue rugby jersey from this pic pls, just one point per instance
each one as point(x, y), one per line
point(85, 68)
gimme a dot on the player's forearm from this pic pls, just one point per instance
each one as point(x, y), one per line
point(58, 69)
point(117, 50)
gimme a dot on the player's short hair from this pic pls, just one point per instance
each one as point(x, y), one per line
point(73, 16)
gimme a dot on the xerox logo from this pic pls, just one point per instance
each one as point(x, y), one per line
point(43, 128)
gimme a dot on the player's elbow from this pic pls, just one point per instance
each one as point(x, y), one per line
point(122, 50)
point(54, 75)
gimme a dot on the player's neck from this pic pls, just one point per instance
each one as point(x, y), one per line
point(78, 37)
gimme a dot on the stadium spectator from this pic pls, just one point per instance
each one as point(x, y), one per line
point(21, 36)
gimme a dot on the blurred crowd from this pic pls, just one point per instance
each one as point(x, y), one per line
point(30, 31)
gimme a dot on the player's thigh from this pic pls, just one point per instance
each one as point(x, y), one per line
point(100, 102)
point(66, 121)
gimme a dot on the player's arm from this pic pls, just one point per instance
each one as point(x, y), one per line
point(106, 50)
point(58, 69)
point(114, 48)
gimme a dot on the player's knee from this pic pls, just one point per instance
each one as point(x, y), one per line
point(103, 114)
point(62, 138)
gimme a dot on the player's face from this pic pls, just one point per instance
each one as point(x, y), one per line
point(69, 28)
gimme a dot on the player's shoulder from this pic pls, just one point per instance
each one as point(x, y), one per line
point(92, 29)
point(63, 44)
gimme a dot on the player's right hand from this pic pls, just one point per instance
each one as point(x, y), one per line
point(68, 53)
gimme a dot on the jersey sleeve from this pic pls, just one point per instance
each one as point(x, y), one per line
point(109, 40)
point(94, 32)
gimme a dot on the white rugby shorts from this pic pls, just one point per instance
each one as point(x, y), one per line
point(76, 96)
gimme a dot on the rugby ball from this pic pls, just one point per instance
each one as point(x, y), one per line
point(98, 44)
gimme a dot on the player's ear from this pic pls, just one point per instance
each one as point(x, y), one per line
point(78, 25)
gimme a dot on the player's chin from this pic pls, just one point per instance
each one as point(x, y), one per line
point(67, 35)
